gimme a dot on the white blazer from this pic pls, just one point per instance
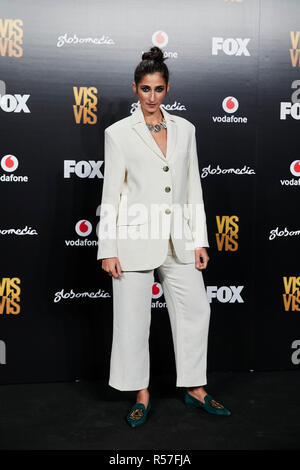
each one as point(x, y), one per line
point(139, 179)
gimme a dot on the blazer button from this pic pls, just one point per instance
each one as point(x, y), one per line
point(167, 189)
point(166, 168)
point(168, 211)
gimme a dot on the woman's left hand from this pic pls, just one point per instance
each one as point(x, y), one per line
point(201, 258)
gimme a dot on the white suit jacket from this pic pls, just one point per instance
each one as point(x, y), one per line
point(146, 196)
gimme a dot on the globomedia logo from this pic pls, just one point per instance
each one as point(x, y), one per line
point(295, 170)
point(276, 232)
point(230, 105)
point(83, 228)
point(161, 39)
point(75, 40)
point(218, 170)
point(18, 231)
point(71, 294)
point(9, 163)
point(169, 107)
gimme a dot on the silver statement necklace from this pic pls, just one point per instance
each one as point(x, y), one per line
point(157, 127)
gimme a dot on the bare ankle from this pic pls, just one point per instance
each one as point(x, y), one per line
point(143, 396)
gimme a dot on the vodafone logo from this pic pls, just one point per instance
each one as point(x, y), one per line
point(9, 163)
point(295, 168)
point(83, 228)
point(230, 104)
point(157, 290)
point(160, 39)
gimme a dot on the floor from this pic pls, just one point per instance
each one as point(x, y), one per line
point(91, 415)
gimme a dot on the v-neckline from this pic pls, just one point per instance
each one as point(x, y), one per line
point(139, 118)
point(165, 156)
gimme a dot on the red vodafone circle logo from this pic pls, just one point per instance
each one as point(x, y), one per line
point(157, 290)
point(83, 228)
point(9, 163)
point(230, 104)
point(160, 39)
point(295, 168)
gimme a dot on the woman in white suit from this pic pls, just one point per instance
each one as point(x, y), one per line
point(152, 217)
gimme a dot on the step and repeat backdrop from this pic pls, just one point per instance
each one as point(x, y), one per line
point(66, 70)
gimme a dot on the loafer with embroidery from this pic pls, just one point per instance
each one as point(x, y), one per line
point(210, 405)
point(138, 414)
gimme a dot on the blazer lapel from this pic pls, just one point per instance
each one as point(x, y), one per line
point(140, 126)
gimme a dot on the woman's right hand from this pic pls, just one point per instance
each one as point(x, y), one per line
point(112, 266)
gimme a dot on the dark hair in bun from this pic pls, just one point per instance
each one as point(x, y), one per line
point(155, 53)
point(152, 61)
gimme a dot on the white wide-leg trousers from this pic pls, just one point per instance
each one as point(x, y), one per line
point(189, 313)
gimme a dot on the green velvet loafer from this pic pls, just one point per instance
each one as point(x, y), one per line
point(138, 414)
point(210, 405)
